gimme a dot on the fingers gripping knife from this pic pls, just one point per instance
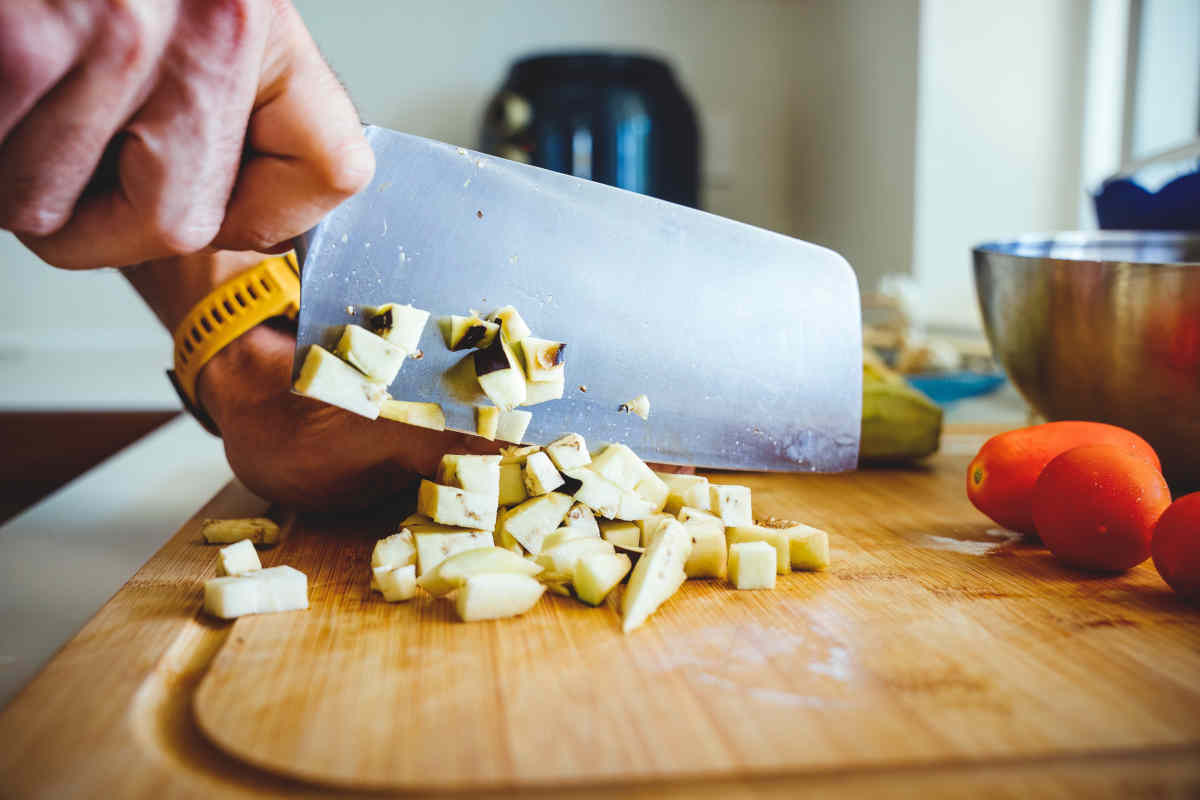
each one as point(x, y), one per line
point(748, 343)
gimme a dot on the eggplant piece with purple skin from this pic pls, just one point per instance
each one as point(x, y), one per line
point(500, 375)
point(464, 333)
point(543, 358)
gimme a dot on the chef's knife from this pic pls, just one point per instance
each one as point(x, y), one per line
point(747, 343)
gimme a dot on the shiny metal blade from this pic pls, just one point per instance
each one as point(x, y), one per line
point(747, 343)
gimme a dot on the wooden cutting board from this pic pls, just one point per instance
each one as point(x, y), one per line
point(936, 652)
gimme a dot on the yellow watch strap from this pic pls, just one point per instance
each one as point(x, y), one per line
point(270, 288)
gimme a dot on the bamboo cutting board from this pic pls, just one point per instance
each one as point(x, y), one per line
point(937, 657)
point(934, 638)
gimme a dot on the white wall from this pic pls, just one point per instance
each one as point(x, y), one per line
point(1166, 108)
point(429, 69)
point(999, 126)
point(854, 96)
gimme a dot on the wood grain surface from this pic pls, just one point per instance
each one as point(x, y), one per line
point(937, 657)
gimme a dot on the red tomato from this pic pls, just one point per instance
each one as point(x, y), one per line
point(1176, 546)
point(1000, 478)
point(1096, 506)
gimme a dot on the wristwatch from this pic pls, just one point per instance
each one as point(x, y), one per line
point(269, 289)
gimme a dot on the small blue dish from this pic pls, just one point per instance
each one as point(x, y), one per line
point(947, 387)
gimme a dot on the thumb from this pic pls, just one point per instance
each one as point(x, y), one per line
point(305, 149)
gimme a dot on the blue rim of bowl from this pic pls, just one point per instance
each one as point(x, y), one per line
point(1159, 248)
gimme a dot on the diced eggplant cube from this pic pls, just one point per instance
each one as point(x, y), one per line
point(470, 472)
point(399, 324)
point(487, 420)
point(580, 516)
point(396, 583)
point(512, 485)
point(500, 376)
point(541, 391)
point(625, 534)
point(395, 550)
point(422, 415)
point(513, 326)
point(569, 452)
point(513, 425)
point(752, 565)
point(540, 475)
point(327, 378)
point(731, 503)
point(463, 333)
point(535, 519)
point(449, 505)
point(374, 356)
point(542, 357)
point(640, 406)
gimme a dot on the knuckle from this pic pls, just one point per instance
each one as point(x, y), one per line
point(26, 210)
point(227, 20)
point(26, 64)
point(182, 236)
point(128, 36)
point(33, 220)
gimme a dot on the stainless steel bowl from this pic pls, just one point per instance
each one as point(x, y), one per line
point(1102, 326)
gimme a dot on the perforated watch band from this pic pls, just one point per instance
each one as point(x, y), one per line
point(269, 289)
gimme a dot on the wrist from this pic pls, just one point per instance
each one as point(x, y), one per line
point(172, 286)
point(246, 374)
point(189, 292)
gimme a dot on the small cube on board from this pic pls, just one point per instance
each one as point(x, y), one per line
point(238, 558)
point(685, 490)
point(597, 574)
point(709, 558)
point(261, 592)
point(625, 534)
point(396, 550)
point(540, 475)
point(752, 565)
point(731, 503)
point(569, 452)
point(454, 571)
point(449, 505)
point(512, 484)
point(772, 536)
point(480, 474)
point(533, 520)
point(496, 595)
point(397, 583)
point(580, 516)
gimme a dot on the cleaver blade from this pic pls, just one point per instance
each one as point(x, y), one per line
point(747, 343)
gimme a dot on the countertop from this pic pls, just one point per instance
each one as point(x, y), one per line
point(63, 558)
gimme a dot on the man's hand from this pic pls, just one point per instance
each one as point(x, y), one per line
point(284, 447)
point(140, 129)
point(304, 453)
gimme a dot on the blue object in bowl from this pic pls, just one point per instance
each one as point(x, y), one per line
point(946, 387)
